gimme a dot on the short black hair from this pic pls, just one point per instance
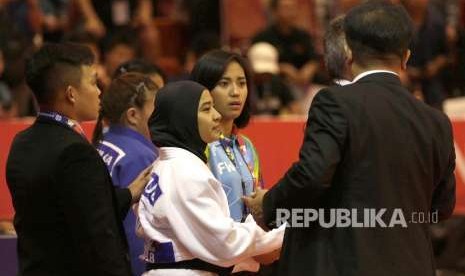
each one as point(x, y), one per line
point(335, 54)
point(377, 29)
point(139, 66)
point(55, 66)
point(209, 70)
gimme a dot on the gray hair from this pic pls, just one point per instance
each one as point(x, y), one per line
point(335, 48)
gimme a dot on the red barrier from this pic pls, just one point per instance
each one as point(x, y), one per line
point(277, 142)
point(459, 137)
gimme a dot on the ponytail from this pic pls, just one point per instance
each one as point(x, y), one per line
point(98, 130)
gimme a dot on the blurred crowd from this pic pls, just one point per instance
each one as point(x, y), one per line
point(283, 41)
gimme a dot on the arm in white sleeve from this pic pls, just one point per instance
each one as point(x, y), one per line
point(200, 219)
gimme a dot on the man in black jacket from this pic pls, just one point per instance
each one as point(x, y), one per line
point(374, 161)
point(68, 215)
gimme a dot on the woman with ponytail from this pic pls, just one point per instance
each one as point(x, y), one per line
point(126, 147)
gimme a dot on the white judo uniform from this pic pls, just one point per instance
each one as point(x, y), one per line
point(185, 215)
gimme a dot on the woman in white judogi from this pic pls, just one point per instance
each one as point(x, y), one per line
point(184, 215)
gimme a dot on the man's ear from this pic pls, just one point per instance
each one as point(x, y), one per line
point(349, 56)
point(132, 116)
point(70, 94)
point(348, 63)
point(405, 58)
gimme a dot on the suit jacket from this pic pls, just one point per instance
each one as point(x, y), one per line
point(67, 216)
point(367, 145)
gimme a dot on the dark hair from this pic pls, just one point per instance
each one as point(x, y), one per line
point(124, 36)
point(54, 67)
point(203, 43)
point(139, 66)
point(335, 54)
point(81, 37)
point(126, 91)
point(210, 68)
point(274, 4)
point(376, 30)
point(15, 50)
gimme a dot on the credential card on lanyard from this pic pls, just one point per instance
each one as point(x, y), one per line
point(120, 13)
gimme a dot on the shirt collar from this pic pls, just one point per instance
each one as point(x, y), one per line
point(126, 131)
point(342, 82)
point(370, 72)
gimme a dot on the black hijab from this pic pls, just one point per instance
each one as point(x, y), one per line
point(174, 122)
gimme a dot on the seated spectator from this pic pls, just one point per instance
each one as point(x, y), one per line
point(427, 59)
point(105, 18)
point(54, 18)
point(5, 94)
point(118, 49)
point(200, 45)
point(38, 20)
point(15, 50)
point(272, 95)
point(297, 57)
point(22, 17)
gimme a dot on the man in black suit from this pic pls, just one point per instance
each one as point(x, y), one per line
point(374, 160)
point(68, 215)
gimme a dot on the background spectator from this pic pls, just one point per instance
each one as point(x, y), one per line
point(15, 50)
point(105, 18)
point(159, 30)
point(54, 15)
point(200, 45)
point(297, 57)
point(427, 59)
point(118, 49)
point(5, 94)
point(272, 96)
